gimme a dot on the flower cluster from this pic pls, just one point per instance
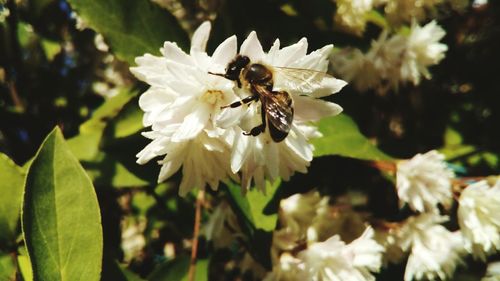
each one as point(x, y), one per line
point(309, 219)
point(393, 60)
point(188, 126)
point(354, 15)
point(424, 181)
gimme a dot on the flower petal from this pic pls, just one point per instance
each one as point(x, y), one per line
point(240, 151)
point(200, 37)
point(252, 48)
point(226, 51)
point(329, 86)
point(193, 124)
point(311, 109)
point(288, 55)
point(172, 52)
point(298, 144)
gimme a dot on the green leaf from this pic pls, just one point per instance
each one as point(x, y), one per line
point(61, 219)
point(12, 186)
point(129, 275)
point(131, 27)
point(254, 218)
point(173, 270)
point(252, 205)
point(341, 136)
point(51, 48)
point(25, 267)
point(103, 168)
point(127, 122)
point(85, 146)
point(7, 267)
point(201, 272)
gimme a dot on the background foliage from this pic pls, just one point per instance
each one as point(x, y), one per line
point(53, 72)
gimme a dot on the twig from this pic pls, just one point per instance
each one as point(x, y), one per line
point(196, 231)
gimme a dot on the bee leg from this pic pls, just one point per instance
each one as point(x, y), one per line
point(243, 101)
point(256, 131)
point(259, 129)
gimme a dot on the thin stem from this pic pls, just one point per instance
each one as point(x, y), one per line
point(196, 232)
point(387, 166)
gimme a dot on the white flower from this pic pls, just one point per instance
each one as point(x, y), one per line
point(299, 210)
point(404, 11)
point(424, 181)
point(259, 157)
point(434, 250)
point(287, 269)
point(393, 60)
point(334, 260)
point(339, 220)
point(352, 14)
point(133, 240)
point(423, 50)
point(181, 106)
point(4, 13)
point(358, 68)
point(479, 218)
point(492, 272)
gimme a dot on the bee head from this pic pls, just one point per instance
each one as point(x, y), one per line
point(235, 66)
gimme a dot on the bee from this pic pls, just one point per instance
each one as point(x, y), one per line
point(276, 106)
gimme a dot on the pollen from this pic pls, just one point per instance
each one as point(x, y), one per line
point(212, 96)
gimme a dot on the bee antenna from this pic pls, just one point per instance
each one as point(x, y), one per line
point(218, 74)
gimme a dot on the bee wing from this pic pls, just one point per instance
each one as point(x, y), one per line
point(301, 81)
point(278, 106)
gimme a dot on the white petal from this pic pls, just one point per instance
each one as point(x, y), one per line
point(311, 109)
point(317, 60)
point(193, 124)
point(172, 52)
point(171, 166)
point(240, 151)
point(226, 51)
point(272, 160)
point(272, 55)
point(153, 98)
point(230, 117)
point(329, 86)
point(252, 48)
point(292, 53)
point(200, 37)
point(298, 144)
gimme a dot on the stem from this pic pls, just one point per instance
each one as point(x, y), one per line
point(196, 231)
point(387, 166)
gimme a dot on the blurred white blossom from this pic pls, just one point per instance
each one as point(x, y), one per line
point(424, 181)
point(132, 239)
point(434, 251)
point(393, 60)
point(423, 50)
point(287, 269)
point(404, 11)
point(479, 218)
point(298, 211)
point(4, 13)
point(335, 260)
point(352, 14)
point(492, 272)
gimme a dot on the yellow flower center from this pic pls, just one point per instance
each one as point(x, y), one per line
point(212, 96)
